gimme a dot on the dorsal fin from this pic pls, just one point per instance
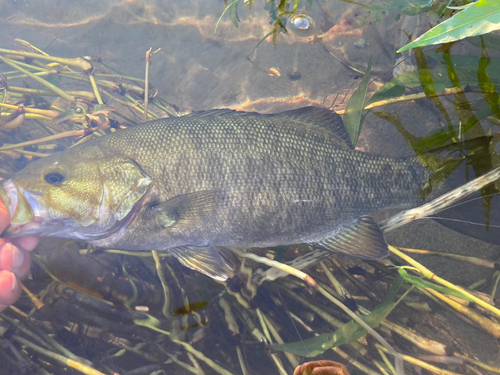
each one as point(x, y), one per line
point(307, 116)
point(320, 117)
point(221, 112)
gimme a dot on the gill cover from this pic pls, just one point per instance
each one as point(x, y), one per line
point(124, 184)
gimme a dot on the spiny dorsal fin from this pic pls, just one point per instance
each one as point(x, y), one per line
point(362, 239)
point(320, 117)
point(221, 112)
point(308, 116)
point(203, 258)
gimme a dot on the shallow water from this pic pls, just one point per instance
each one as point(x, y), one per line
point(197, 69)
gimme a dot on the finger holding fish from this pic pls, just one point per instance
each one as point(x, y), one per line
point(15, 262)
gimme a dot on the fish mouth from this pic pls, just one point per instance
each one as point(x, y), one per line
point(26, 210)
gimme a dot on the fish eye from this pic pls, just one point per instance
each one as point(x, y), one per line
point(54, 178)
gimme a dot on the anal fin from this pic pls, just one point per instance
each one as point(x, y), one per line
point(203, 258)
point(362, 238)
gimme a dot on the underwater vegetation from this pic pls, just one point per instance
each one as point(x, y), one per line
point(98, 310)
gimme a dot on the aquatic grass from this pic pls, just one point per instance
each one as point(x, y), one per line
point(59, 358)
point(161, 276)
point(78, 62)
point(149, 53)
point(112, 81)
point(353, 115)
point(232, 9)
point(311, 282)
point(240, 316)
point(37, 78)
point(472, 260)
point(432, 276)
point(360, 285)
point(422, 341)
point(341, 291)
point(485, 323)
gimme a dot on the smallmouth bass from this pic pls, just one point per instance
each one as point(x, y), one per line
point(216, 178)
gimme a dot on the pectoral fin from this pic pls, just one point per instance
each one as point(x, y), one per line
point(362, 239)
point(203, 258)
point(187, 209)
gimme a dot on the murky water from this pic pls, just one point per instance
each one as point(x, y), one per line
point(197, 69)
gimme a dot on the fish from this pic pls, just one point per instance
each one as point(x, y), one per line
point(216, 178)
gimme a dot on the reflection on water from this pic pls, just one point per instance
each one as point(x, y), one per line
point(120, 313)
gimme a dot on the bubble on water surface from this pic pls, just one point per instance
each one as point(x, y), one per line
point(301, 24)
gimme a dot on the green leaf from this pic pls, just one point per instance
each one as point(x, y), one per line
point(396, 86)
point(346, 333)
point(421, 283)
point(308, 347)
point(392, 89)
point(234, 15)
point(352, 117)
point(487, 87)
point(479, 18)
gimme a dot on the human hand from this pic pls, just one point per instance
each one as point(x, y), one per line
point(15, 261)
point(321, 368)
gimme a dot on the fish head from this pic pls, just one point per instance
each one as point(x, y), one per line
point(75, 196)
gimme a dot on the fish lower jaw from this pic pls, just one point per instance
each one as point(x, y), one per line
point(33, 228)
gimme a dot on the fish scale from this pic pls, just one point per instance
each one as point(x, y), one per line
point(227, 178)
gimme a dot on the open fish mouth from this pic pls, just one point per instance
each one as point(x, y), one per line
point(31, 217)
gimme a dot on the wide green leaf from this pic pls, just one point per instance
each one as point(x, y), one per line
point(479, 18)
point(348, 332)
point(353, 121)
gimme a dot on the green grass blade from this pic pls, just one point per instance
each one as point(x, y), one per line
point(352, 117)
point(421, 283)
point(234, 4)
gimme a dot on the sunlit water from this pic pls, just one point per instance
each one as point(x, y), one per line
point(196, 69)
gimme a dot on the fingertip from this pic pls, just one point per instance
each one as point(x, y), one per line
point(24, 269)
point(299, 370)
point(10, 288)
